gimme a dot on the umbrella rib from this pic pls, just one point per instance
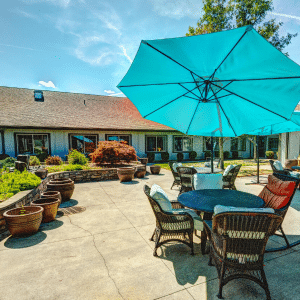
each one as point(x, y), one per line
point(223, 111)
point(189, 90)
point(144, 42)
point(192, 118)
point(229, 53)
point(168, 103)
point(150, 84)
point(253, 103)
point(197, 85)
point(221, 89)
point(253, 79)
point(191, 98)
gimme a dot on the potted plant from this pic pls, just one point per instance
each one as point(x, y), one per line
point(50, 206)
point(140, 171)
point(63, 185)
point(23, 221)
point(155, 169)
point(51, 194)
point(125, 174)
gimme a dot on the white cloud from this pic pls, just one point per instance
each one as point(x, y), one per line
point(112, 93)
point(285, 15)
point(109, 91)
point(47, 84)
point(125, 53)
point(178, 9)
point(19, 47)
point(62, 3)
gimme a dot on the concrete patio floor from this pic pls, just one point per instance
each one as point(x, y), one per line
point(105, 253)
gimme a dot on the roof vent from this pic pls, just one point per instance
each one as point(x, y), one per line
point(38, 96)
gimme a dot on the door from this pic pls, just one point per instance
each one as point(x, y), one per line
point(262, 144)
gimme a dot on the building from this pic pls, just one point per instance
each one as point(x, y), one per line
point(51, 123)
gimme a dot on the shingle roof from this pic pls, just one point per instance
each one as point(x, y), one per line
point(71, 111)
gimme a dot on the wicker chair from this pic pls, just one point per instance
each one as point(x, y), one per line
point(282, 211)
point(238, 242)
point(177, 226)
point(229, 180)
point(284, 171)
point(175, 175)
point(186, 178)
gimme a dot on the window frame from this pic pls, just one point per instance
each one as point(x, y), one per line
point(240, 145)
point(165, 137)
point(2, 142)
point(183, 137)
point(82, 134)
point(118, 134)
point(273, 138)
point(16, 134)
point(237, 146)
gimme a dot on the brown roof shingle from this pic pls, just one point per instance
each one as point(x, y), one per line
point(71, 111)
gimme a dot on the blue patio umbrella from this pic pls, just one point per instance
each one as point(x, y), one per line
point(220, 84)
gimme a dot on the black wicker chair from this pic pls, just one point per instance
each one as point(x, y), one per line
point(177, 226)
point(283, 172)
point(282, 211)
point(229, 180)
point(186, 178)
point(175, 175)
point(238, 242)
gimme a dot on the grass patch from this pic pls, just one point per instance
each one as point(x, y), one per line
point(61, 168)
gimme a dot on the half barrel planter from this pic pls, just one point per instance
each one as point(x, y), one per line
point(42, 173)
point(23, 224)
point(63, 185)
point(50, 206)
point(125, 174)
point(140, 171)
point(155, 169)
point(51, 194)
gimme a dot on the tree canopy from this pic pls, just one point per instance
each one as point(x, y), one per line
point(228, 14)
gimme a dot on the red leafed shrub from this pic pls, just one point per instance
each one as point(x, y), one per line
point(113, 152)
point(53, 160)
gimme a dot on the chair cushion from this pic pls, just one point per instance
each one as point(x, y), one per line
point(295, 174)
point(278, 165)
point(207, 181)
point(222, 208)
point(198, 222)
point(158, 194)
point(228, 169)
point(175, 166)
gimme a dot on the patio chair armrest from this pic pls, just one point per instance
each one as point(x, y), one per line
point(179, 217)
point(176, 205)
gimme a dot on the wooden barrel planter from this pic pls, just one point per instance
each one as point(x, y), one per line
point(20, 166)
point(63, 185)
point(51, 194)
point(125, 174)
point(42, 173)
point(24, 158)
point(155, 169)
point(144, 161)
point(140, 172)
point(24, 224)
point(50, 206)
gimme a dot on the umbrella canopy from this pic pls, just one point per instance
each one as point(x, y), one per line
point(220, 84)
point(287, 126)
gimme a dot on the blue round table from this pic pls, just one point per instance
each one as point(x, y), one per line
point(206, 200)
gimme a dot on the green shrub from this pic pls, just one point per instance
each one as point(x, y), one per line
point(53, 160)
point(226, 154)
point(270, 154)
point(42, 156)
point(179, 156)
point(12, 183)
point(216, 153)
point(62, 168)
point(207, 154)
point(165, 156)
point(77, 158)
point(192, 155)
point(234, 154)
point(8, 162)
point(34, 161)
point(151, 157)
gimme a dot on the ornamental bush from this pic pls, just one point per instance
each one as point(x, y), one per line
point(192, 155)
point(8, 162)
point(179, 156)
point(270, 154)
point(226, 154)
point(165, 156)
point(151, 157)
point(113, 152)
point(77, 158)
point(53, 160)
point(12, 183)
point(34, 161)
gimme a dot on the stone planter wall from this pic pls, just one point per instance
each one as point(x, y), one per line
point(26, 197)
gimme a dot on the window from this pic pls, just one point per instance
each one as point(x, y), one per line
point(182, 143)
point(83, 143)
point(234, 144)
point(156, 143)
point(38, 96)
point(207, 146)
point(119, 138)
point(242, 144)
point(273, 144)
point(33, 144)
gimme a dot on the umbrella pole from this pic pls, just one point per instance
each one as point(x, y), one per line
point(257, 159)
point(212, 154)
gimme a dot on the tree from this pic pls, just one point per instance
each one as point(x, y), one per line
point(222, 14)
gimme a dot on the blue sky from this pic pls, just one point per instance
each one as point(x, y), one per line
point(87, 46)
